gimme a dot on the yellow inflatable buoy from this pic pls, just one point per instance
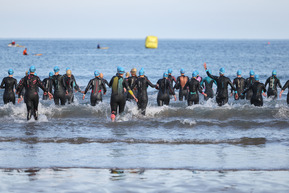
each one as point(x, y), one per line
point(151, 42)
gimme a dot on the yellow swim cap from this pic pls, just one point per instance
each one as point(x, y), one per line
point(68, 72)
point(133, 71)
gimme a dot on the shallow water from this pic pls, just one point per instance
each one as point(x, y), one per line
point(141, 180)
point(234, 148)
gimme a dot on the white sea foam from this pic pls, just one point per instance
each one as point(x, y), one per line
point(283, 112)
point(188, 122)
point(153, 111)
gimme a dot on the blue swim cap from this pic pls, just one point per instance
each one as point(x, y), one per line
point(96, 73)
point(67, 69)
point(257, 77)
point(274, 72)
point(56, 69)
point(32, 69)
point(182, 71)
point(120, 70)
point(239, 72)
point(222, 71)
point(165, 75)
point(10, 71)
point(51, 74)
point(252, 72)
point(170, 70)
point(141, 72)
point(195, 74)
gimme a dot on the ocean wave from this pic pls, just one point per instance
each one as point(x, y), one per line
point(84, 140)
point(272, 113)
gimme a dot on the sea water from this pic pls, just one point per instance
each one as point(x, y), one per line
point(175, 148)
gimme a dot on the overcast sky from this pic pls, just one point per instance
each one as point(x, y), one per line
point(193, 19)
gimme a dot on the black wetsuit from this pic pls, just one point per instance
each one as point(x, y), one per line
point(194, 86)
point(131, 80)
point(104, 81)
point(72, 77)
point(97, 85)
point(47, 82)
point(22, 93)
point(165, 88)
point(59, 89)
point(70, 84)
point(257, 89)
point(183, 91)
point(31, 84)
point(118, 98)
point(273, 82)
point(208, 87)
point(249, 82)
point(239, 83)
point(142, 84)
point(9, 83)
point(222, 88)
point(284, 87)
point(200, 79)
point(172, 79)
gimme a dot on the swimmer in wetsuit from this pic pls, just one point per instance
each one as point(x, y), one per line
point(118, 99)
point(258, 89)
point(71, 77)
point(239, 84)
point(97, 86)
point(59, 87)
point(131, 80)
point(222, 86)
point(70, 84)
point(207, 84)
point(47, 82)
point(10, 84)
point(198, 76)
point(194, 86)
point(142, 84)
point(283, 89)
point(126, 76)
point(165, 88)
point(172, 79)
point(181, 82)
point(25, 52)
point(273, 82)
point(249, 82)
point(31, 84)
point(22, 93)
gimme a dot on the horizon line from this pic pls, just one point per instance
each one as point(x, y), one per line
point(80, 38)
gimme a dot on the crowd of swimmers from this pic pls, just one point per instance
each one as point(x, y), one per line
point(131, 86)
